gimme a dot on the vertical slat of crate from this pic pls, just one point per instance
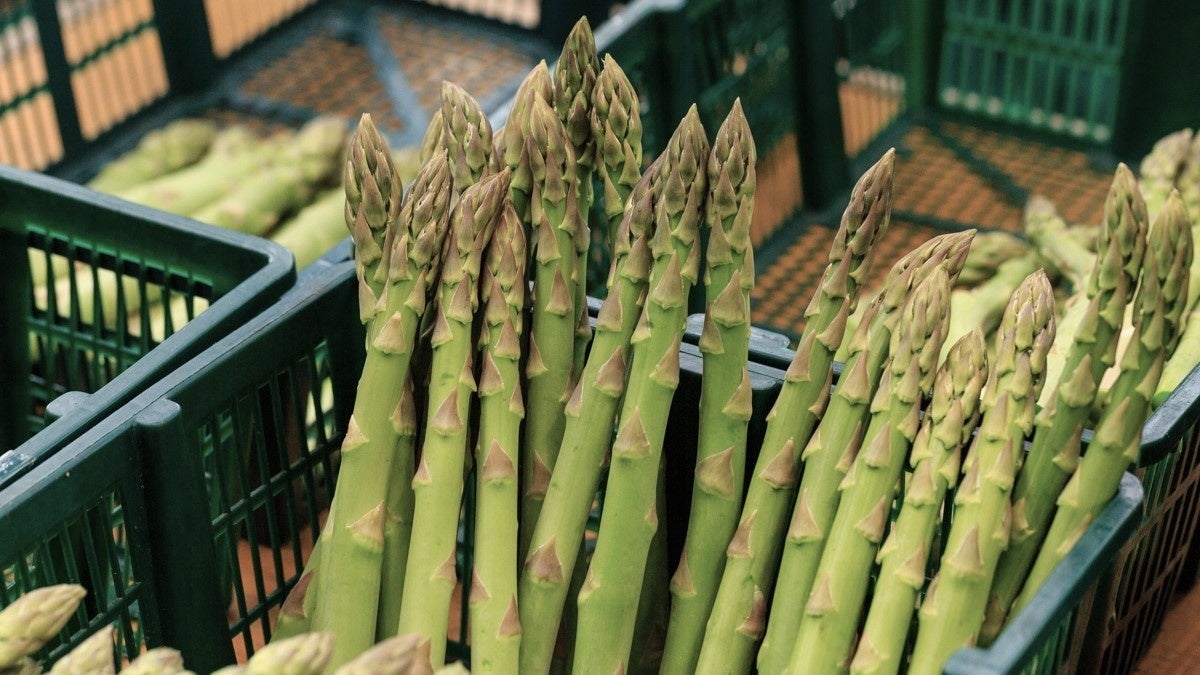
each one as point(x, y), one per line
point(58, 75)
point(188, 55)
point(818, 113)
point(871, 67)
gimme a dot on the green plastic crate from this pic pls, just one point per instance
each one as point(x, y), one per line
point(139, 509)
point(73, 340)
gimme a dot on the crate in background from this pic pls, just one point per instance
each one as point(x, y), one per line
point(84, 291)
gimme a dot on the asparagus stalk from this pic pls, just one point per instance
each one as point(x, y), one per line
point(373, 196)
point(953, 610)
point(824, 643)
point(1065, 253)
point(305, 654)
point(467, 135)
point(1089, 352)
point(434, 139)
point(827, 455)
point(495, 622)
point(431, 575)
point(93, 656)
point(609, 598)
point(315, 229)
point(400, 655)
point(536, 85)
point(989, 250)
point(175, 146)
point(1160, 168)
point(590, 418)
point(554, 210)
point(287, 184)
point(725, 390)
point(235, 155)
point(1159, 302)
point(982, 307)
point(1187, 181)
point(739, 611)
point(946, 428)
point(654, 601)
point(159, 661)
point(348, 595)
point(25, 666)
point(1182, 362)
point(574, 83)
point(34, 619)
point(617, 130)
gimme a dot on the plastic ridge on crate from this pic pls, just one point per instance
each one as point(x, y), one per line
point(240, 443)
point(62, 341)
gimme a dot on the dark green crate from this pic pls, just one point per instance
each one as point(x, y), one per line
point(64, 341)
point(139, 510)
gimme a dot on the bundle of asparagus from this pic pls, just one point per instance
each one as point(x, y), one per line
point(480, 360)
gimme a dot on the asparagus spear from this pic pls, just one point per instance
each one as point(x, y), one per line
point(574, 83)
point(34, 619)
point(1089, 352)
point(554, 210)
point(373, 195)
point(93, 656)
point(400, 655)
point(824, 642)
point(739, 610)
point(828, 453)
point(287, 184)
point(352, 553)
point(609, 598)
point(617, 130)
point(981, 307)
point(434, 139)
point(1160, 168)
point(160, 152)
point(431, 575)
point(1159, 301)
point(159, 661)
point(26, 666)
point(315, 229)
point(590, 416)
point(495, 622)
point(467, 134)
point(953, 610)
point(305, 654)
point(1065, 253)
point(235, 155)
point(725, 390)
point(946, 428)
point(537, 84)
point(989, 250)
point(1187, 181)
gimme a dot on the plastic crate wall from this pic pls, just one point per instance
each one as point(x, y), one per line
point(95, 288)
point(241, 444)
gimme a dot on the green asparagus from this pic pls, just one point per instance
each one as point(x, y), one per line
point(738, 617)
point(824, 643)
point(305, 654)
point(93, 656)
point(1089, 350)
point(1117, 442)
point(936, 457)
point(159, 661)
point(953, 610)
point(467, 134)
point(34, 618)
point(495, 622)
point(989, 250)
point(1065, 253)
point(175, 146)
point(431, 575)
point(1160, 168)
point(725, 389)
point(537, 84)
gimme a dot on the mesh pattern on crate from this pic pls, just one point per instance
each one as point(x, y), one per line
point(90, 313)
point(933, 182)
point(270, 457)
point(1068, 177)
point(261, 126)
point(1150, 565)
point(870, 64)
point(525, 13)
point(329, 76)
point(115, 57)
point(487, 67)
point(28, 123)
point(88, 549)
